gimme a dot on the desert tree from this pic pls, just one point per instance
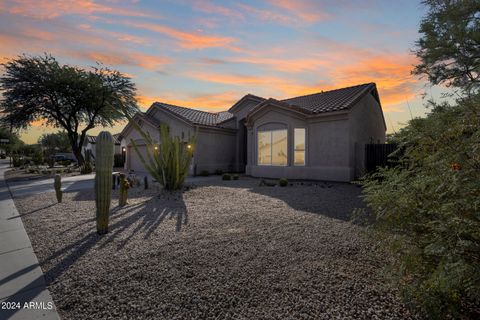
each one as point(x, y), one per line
point(449, 46)
point(39, 88)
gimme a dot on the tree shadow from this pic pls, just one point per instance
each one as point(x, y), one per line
point(137, 219)
point(337, 200)
point(32, 211)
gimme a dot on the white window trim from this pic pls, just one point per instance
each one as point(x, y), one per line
point(271, 137)
point(304, 151)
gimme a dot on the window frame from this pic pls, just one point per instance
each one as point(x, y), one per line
point(304, 149)
point(271, 148)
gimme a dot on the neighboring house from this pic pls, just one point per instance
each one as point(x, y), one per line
point(89, 145)
point(319, 136)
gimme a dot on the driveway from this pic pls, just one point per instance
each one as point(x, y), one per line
point(23, 188)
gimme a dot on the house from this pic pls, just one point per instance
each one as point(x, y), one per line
point(89, 145)
point(320, 136)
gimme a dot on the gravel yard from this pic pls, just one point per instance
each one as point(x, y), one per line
point(224, 250)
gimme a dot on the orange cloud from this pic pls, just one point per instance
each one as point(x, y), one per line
point(54, 8)
point(211, 101)
point(185, 39)
point(267, 15)
point(307, 11)
point(149, 62)
point(391, 73)
point(285, 65)
point(275, 87)
point(209, 7)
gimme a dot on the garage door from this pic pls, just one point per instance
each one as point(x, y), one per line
point(134, 162)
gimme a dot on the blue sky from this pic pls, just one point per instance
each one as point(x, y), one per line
point(208, 54)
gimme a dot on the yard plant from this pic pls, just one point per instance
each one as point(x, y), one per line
point(73, 99)
point(103, 179)
point(428, 208)
point(167, 162)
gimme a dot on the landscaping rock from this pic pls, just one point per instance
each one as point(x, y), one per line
point(227, 251)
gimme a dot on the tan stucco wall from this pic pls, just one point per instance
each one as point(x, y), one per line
point(327, 147)
point(215, 149)
point(240, 113)
point(366, 125)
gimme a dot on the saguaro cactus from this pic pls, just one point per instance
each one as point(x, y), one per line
point(58, 187)
point(103, 179)
point(123, 191)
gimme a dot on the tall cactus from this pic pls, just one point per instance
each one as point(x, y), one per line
point(58, 187)
point(103, 179)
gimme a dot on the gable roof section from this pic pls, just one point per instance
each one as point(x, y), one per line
point(195, 116)
point(333, 100)
point(93, 139)
point(312, 104)
point(246, 97)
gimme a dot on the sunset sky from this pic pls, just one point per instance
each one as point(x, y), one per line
point(208, 54)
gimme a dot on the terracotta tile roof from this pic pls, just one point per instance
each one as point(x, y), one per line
point(93, 139)
point(328, 101)
point(196, 116)
point(333, 100)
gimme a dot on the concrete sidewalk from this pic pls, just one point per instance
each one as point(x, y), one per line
point(23, 294)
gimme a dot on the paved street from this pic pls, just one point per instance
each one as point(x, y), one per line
point(23, 294)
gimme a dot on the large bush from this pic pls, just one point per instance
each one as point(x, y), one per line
point(428, 207)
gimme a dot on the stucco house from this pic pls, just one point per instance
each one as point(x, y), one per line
point(320, 136)
point(89, 145)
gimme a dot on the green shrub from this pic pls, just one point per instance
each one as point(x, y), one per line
point(204, 173)
point(219, 172)
point(428, 209)
point(226, 176)
point(65, 163)
point(283, 182)
point(86, 168)
point(17, 161)
point(37, 157)
point(235, 177)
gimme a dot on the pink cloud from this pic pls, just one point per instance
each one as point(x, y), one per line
point(54, 8)
point(187, 40)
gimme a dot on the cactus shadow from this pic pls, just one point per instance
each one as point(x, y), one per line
point(136, 220)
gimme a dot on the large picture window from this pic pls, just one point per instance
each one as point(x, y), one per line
point(272, 147)
point(299, 150)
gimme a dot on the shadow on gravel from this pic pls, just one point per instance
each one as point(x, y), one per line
point(89, 195)
point(33, 211)
point(137, 219)
point(332, 199)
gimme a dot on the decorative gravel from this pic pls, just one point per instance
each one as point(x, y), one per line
point(222, 250)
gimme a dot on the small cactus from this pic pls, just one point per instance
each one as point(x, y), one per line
point(58, 187)
point(103, 179)
point(114, 181)
point(145, 182)
point(123, 193)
